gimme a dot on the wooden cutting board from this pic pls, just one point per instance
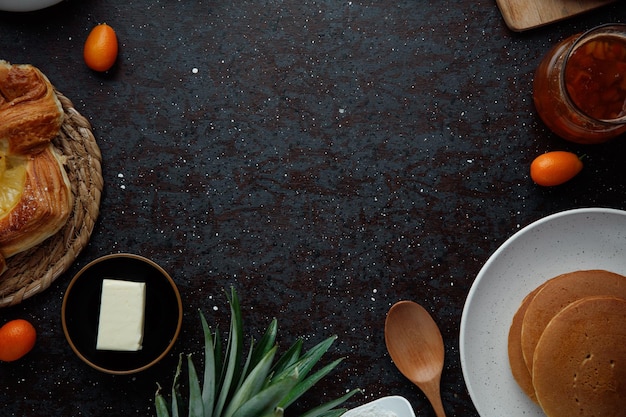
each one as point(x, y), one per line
point(521, 15)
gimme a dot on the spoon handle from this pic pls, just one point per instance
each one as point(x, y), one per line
point(438, 406)
point(432, 392)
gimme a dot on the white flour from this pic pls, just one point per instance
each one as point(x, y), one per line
point(369, 411)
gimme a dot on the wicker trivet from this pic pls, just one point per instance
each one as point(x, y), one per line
point(33, 271)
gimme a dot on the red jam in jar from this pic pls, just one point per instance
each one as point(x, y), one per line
point(580, 86)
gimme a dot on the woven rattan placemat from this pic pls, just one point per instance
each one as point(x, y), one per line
point(32, 271)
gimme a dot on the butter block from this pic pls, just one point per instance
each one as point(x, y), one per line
point(122, 310)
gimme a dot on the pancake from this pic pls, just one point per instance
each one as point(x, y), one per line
point(559, 292)
point(579, 364)
point(516, 357)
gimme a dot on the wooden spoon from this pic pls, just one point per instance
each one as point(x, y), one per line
point(415, 345)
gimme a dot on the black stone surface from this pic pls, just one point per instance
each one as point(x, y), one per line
point(327, 158)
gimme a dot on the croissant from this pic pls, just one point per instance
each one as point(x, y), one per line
point(36, 199)
point(43, 206)
point(30, 112)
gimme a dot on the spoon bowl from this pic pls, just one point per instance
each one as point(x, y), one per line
point(415, 345)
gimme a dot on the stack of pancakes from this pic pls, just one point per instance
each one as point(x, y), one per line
point(567, 345)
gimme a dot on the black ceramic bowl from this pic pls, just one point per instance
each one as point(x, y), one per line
point(81, 309)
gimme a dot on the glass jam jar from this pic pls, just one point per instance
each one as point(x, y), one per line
point(579, 88)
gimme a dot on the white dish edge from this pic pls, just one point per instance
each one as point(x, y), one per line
point(394, 403)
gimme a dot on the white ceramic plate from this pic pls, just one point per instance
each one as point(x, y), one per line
point(399, 405)
point(26, 5)
point(593, 238)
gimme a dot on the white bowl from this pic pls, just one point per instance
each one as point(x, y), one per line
point(395, 403)
point(26, 5)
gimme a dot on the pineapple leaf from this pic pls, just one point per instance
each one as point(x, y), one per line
point(277, 412)
point(233, 352)
point(208, 384)
point(306, 384)
point(175, 386)
point(309, 359)
point(253, 383)
point(196, 408)
point(321, 410)
point(289, 358)
point(244, 369)
point(234, 386)
point(267, 400)
point(160, 404)
point(218, 354)
point(266, 343)
point(334, 413)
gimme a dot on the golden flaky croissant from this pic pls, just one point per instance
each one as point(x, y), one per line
point(30, 113)
point(35, 193)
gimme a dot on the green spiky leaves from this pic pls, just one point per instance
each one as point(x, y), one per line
point(250, 385)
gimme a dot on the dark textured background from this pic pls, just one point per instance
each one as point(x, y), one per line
point(327, 158)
